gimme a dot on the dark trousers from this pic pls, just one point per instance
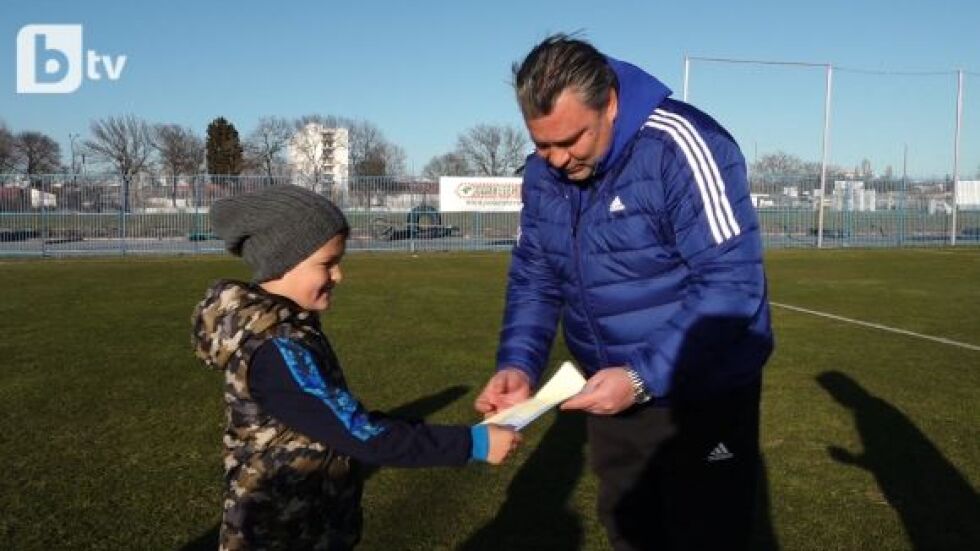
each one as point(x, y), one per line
point(681, 476)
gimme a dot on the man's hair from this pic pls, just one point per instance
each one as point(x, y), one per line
point(561, 62)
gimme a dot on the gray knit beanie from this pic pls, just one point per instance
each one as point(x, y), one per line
point(276, 228)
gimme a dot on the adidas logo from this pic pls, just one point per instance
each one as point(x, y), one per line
point(720, 453)
point(616, 205)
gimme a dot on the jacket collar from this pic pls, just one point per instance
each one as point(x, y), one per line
point(639, 94)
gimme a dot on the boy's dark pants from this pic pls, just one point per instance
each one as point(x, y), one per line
point(664, 481)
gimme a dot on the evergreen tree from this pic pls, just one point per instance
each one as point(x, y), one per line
point(224, 148)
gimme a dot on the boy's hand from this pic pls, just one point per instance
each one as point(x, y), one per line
point(503, 440)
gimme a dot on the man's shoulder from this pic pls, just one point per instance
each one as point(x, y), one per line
point(674, 119)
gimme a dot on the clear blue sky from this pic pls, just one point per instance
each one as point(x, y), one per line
point(425, 71)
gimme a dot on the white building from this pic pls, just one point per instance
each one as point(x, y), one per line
point(850, 195)
point(761, 200)
point(320, 157)
point(968, 195)
point(43, 199)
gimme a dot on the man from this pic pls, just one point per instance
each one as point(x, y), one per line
point(638, 232)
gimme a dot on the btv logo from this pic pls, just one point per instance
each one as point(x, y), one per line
point(49, 60)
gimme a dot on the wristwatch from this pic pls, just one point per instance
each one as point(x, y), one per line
point(640, 394)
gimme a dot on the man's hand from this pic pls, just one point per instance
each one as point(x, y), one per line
point(503, 441)
point(608, 392)
point(508, 387)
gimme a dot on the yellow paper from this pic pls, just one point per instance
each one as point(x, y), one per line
point(565, 383)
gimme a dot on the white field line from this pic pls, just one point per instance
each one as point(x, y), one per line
point(878, 326)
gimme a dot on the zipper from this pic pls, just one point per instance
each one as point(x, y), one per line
point(577, 258)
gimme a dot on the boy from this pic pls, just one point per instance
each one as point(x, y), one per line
point(295, 434)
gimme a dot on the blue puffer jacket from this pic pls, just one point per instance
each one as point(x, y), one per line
point(655, 264)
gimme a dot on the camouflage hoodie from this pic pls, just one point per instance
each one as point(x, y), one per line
point(282, 489)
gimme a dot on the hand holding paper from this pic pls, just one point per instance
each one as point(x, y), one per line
point(565, 383)
point(507, 387)
point(608, 392)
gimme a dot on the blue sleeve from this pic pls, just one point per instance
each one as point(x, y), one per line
point(285, 381)
point(716, 234)
point(533, 299)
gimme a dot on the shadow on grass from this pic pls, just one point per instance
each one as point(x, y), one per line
point(763, 533)
point(937, 505)
point(420, 408)
point(207, 541)
point(535, 514)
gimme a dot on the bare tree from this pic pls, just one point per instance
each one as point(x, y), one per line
point(125, 143)
point(448, 164)
point(38, 153)
point(366, 143)
point(778, 164)
point(782, 166)
point(493, 150)
point(372, 154)
point(267, 144)
point(393, 159)
point(8, 151)
point(180, 151)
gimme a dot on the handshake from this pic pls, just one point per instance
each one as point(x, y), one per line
point(505, 390)
point(508, 407)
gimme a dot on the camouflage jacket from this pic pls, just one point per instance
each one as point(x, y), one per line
point(283, 490)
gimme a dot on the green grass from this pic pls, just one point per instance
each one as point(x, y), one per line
point(111, 430)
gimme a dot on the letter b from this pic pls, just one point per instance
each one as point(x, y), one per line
point(49, 59)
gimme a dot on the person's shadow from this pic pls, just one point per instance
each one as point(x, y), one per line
point(420, 408)
point(938, 506)
point(763, 533)
point(535, 514)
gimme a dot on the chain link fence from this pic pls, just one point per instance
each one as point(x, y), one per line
point(67, 214)
point(843, 157)
point(64, 214)
point(857, 213)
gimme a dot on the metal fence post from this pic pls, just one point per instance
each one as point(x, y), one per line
point(124, 189)
point(956, 152)
point(826, 153)
point(687, 73)
point(478, 233)
point(42, 203)
point(195, 235)
point(412, 227)
point(902, 218)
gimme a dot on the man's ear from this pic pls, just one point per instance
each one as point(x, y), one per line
point(612, 105)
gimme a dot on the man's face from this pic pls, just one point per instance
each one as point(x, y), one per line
point(574, 136)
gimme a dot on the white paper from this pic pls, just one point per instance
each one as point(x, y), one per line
point(565, 383)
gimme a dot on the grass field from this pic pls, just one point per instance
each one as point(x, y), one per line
point(111, 430)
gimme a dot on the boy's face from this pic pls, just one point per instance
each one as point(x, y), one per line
point(310, 283)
